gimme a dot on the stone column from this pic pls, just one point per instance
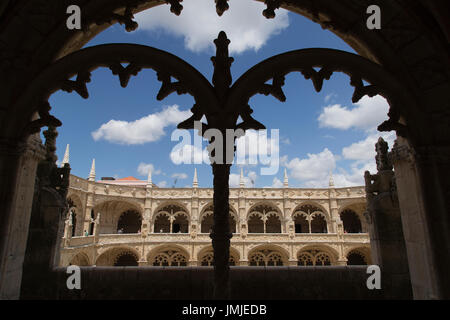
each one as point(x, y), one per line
point(18, 165)
point(146, 227)
point(89, 207)
point(242, 215)
point(385, 224)
point(334, 211)
point(414, 188)
point(289, 226)
point(342, 260)
point(68, 225)
point(194, 214)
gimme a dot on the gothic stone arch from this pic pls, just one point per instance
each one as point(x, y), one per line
point(411, 46)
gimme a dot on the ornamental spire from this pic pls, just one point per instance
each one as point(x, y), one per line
point(92, 173)
point(331, 183)
point(241, 179)
point(66, 157)
point(195, 182)
point(286, 180)
point(149, 179)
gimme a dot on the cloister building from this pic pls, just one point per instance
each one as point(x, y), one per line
point(129, 222)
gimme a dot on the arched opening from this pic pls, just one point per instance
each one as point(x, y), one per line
point(273, 224)
point(351, 221)
point(255, 224)
point(232, 223)
point(80, 259)
point(74, 223)
point(118, 256)
point(169, 258)
point(171, 218)
point(309, 218)
point(208, 220)
point(318, 224)
point(162, 224)
point(92, 223)
point(266, 258)
point(264, 218)
point(129, 222)
point(314, 257)
point(355, 258)
point(180, 224)
point(207, 223)
point(207, 260)
point(126, 259)
point(301, 224)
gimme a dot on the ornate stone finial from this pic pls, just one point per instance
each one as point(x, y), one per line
point(286, 179)
point(241, 179)
point(221, 6)
point(195, 182)
point(382, 157)
point(175, 6)
point(331, 182)
point(50, 144)
point(222, 63)
point(272, 5)
point(92, 173)
point(149, 179)
point(66, 157)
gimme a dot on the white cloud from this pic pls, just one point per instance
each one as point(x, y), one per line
point(365, 150)
point(367, 114)
point(199, 24)
point(162, 184)
point(147, 129)
point(144, 168)
point(314, 170)
point(276, 183)
point(189, 154)
point(180, 176)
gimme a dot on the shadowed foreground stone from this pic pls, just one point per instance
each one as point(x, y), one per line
point(195, 283)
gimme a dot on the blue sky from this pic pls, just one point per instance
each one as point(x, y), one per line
point(128, 131)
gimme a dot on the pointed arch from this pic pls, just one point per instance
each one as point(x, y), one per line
point(268, 255)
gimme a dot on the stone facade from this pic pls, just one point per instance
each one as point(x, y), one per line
point(280, 226)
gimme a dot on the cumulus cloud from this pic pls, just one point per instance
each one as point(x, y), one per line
point(367, 114)
point(199, 24)
point(276, 183)
point(314, 169)
point(144, 130)
point(364, 150)
point(144, 168)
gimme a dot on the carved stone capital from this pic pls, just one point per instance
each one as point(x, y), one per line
point(33, 148)
point(402, 153)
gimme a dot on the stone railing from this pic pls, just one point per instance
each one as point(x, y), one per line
point(113, 239)
point(81, 241)
point(139, 191)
